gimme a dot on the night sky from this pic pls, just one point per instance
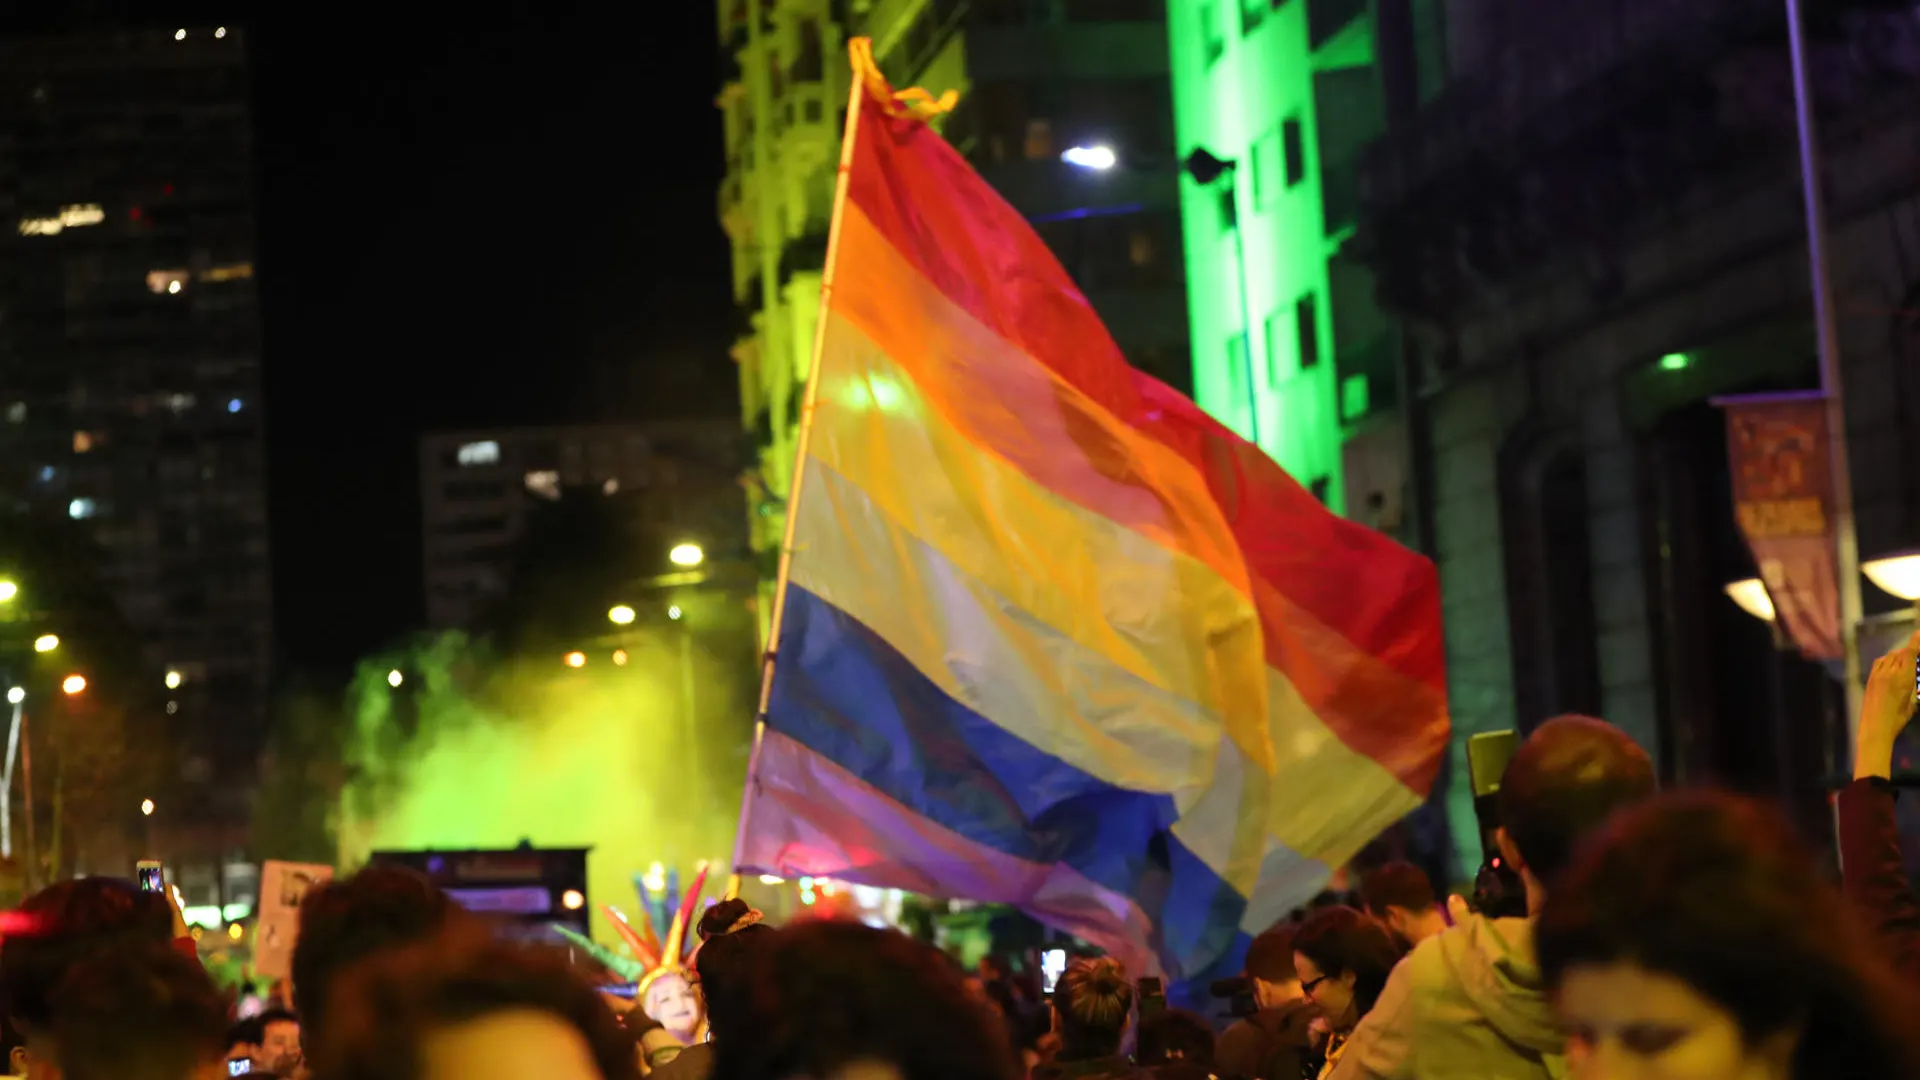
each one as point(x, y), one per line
point(466, 219)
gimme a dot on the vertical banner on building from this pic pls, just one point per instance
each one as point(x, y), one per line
point(283, 885)
point(1783, 500)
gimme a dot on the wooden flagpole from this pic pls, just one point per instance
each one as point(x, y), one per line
point(860, 58)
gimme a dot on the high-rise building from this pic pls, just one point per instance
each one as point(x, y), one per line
point(130, 352)
point(479, 488)
point(1289, 348)
point(1036, 79)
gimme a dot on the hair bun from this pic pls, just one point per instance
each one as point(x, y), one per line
point(1105, 975)
point(721, 917)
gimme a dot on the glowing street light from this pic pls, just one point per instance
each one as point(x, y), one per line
point(174, 679)
point(46, 643)
point(1751, 595)
point(74, 684)
point(16, 695)
point(1097, 158)
point(1897, 574)
point(394, 678)
point(621, 615)
point(146, 807)
point(687, 555)
point(576, 659)
point(674, 612)
point(8, 590)
point(619, 658)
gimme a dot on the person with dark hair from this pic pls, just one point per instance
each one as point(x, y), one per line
point(1401, 896)
point(466, 1004)
point(1870, 862)
point(345, 921)
point(1343, 957)
point(731, 937)
point(1470, 1002)
point(1696, 938)
point(279, 1042)
point(61, 926)
point(137, 1013)
point(1273, 1043)
point(1176, 1038)
point(828, 996)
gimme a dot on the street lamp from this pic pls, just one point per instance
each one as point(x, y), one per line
point(1097, 158)
point(174, 679)
point(688, 555)
point(74, 684)
point(46, 643)
point(674, 612)
point(621, 615)
point(394, 678)
point(1751, 595)
point(146, 807)
point(16, 695)
point(1896, 574)
point(576, 659)
point(8, 590)
point(619, 658)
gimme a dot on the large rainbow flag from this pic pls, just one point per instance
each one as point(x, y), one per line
point(1050, 635)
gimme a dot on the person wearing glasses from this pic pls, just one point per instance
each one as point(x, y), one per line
point(1343, 957)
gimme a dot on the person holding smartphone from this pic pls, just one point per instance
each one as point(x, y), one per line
point(1875, 878)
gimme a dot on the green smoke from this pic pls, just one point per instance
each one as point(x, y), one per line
point(477, 751)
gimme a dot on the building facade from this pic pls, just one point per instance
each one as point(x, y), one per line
point(478, 489)
point(1035, 79)
point(130, 354)
point(1289, 348)
point(1592, 231)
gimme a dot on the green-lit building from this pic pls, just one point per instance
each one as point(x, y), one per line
point(1288, 347)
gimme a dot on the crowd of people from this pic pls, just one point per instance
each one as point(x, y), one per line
point(1676, 936)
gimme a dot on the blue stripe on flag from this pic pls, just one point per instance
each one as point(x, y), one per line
point(846, 694)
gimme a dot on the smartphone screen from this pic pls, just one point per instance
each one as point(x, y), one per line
point(1053, 964)
point(239, 1066)
point(152, 876)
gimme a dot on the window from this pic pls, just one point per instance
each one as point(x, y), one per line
point(1237, 368)
point(1141, 248)
point(1271, 336)
point(1039, 141)
point(1306, 316)
point(1252, 14)
point(486, 452)
point(1229, 211)
point(1212, 40)
point(1356, 397)
point(1294, 147)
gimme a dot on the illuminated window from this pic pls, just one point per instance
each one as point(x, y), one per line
point(544, 483)
point(80, 509)
point(69, 217)
point(82, 441)
point(166, 281)
point(235, 272)
point(486, 452)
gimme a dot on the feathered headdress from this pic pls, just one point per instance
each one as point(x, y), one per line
point(661, 959)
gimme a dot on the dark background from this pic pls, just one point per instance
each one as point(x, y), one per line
point(478, 214)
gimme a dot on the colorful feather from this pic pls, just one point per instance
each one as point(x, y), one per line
point(647, 955)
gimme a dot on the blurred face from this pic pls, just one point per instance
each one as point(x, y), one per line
point(281, 1046)
point(673, 1002)
point(509, 1045)
point(1332, 995)
point(1626, 1023)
